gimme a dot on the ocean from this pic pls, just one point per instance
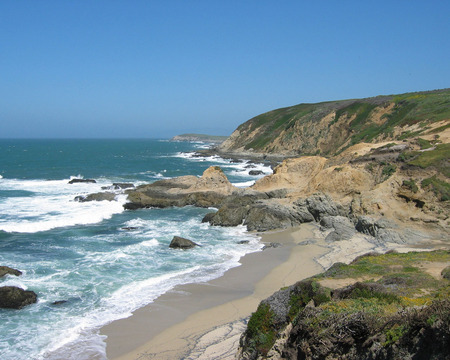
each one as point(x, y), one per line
point(86, 269)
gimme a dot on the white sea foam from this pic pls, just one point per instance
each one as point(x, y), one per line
point(82, 336)
point(52, 205)
point(244, 184)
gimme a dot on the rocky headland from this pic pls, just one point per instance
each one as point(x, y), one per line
point(378, 167)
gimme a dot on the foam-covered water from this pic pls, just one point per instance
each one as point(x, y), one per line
point(85, 267)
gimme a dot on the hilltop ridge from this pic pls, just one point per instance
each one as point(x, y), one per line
point(328, 128)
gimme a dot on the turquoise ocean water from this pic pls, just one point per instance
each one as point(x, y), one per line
point(78, 254)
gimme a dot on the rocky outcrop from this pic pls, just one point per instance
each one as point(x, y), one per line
point(342, 228)
point(182, 243)
point(6, 270)
point(260, 212)
point(16, 298)
point(382, 229)
point(77, 181)
point(118, 186)
point(208, 190)
point(101, 196)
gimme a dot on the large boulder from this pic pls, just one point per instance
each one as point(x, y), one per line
point(182, 243)
point(343, 228)
point(6, 270)
point(13, 297)
point(320, 205)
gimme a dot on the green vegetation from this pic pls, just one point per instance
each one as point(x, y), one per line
point(410, 185)
point(437, 158)
point(388, 170)
point(305, 122)
point(379, 308)
point(260, 329)
point(424, 144)
point(440, 188)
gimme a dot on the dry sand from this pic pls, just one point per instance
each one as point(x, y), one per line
point(205, 321)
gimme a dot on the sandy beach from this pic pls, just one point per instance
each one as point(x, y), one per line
point(205, 321)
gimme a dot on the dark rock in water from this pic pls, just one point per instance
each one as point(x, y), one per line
point(129, 228)
point(182, 243)
point(59, 302)
point(101, 196)
point(75, 181)
point(208, 217)
point(12, 297)
point(255, 172)
point(118, 186)
point(243, 242)
point(6, 270)
point(250, 166)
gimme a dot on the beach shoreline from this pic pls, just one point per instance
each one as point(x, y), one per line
point(172, 325)
point(205, 320)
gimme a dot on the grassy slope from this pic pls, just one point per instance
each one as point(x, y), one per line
point(408, 109)
point(395, 284)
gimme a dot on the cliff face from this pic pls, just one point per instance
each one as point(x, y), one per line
point(330, 127)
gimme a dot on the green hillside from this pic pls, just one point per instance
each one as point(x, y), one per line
point(329, 127)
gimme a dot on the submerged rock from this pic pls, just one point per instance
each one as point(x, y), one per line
point(12, 297)
point(6, 270)
point(182, 243)
point(255, 172)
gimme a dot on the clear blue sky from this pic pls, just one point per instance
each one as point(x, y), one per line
point(108, 68)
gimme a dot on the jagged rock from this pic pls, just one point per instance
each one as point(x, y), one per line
point(320, 205)
point(366, 225)
point(182, 243)
point(343, 227)
point(269, 215)
point(5, 270)
point(381, 229)
point(118, 186)
point(277, 194)
point(101, 196)
point(235, 208)
point(129, 228)
point(13, 297)
point(208, 217)
point(76, 181)
point(255, 172)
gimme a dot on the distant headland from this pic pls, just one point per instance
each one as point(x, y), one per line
point(200, 137)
